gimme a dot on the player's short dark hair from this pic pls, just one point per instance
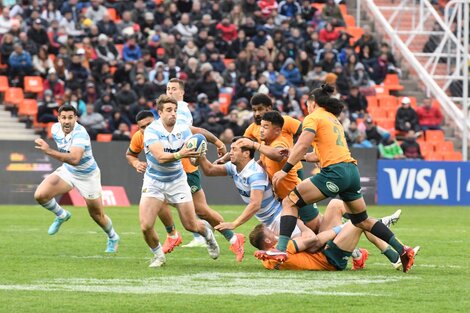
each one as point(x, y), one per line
point(261, 98)
point(143, 114)
point(165, 99)
point(179, 81)
point(257, 236)
point(252, 151)
point(68, 108)
point(274, 117)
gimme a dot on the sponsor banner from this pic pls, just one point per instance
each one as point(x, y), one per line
point(24, 167)
point(420, 182)
point(111, 196)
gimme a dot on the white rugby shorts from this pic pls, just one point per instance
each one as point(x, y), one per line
point(88, 186)
point(174, 192)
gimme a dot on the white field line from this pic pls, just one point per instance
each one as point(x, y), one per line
point(246, 284)
point(424, 265)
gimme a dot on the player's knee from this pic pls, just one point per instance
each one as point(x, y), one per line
point(145, 226)
point(359, 219)
point(41, 197)
point(190, 225)
point(293, 200)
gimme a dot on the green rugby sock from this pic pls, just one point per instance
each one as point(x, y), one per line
point(228, 234)
point(391, 254)
point(282, 243)
point(170, 228)
point(396, 244)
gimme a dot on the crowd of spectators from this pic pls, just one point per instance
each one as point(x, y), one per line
point(111, 59)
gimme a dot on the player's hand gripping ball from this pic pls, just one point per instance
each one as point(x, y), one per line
point(197, 142)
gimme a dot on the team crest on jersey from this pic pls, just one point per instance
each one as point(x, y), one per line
point(144, 190)
point(332, 187)
point(178, 135)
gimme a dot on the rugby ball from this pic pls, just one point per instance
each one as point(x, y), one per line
point(197, 142)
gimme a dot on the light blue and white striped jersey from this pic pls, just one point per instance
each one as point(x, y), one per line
point(253, 177)
point(183, 114)
point(171, 142)
point(78, 137)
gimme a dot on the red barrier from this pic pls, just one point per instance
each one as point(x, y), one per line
point(112, 196)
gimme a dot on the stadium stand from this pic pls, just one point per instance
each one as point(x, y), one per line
point(274, 51)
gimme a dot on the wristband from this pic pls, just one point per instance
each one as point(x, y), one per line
point(287, 167)
point(177, 155)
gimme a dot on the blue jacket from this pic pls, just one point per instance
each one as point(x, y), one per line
point(293, 76)
point(20, 61)
point(129, 54)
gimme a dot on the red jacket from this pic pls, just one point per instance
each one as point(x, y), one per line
point(326, 36)
point(429, 116)
point(58, 87)
point(229, 32)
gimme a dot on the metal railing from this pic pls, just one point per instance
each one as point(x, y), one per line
point(452, 47)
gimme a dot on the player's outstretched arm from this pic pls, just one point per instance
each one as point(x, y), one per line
point(159, 153)
point(133, 160)
point(273, 153)
point(210, 169)
point(73, 157)
point(255, 204)
point(210, 137)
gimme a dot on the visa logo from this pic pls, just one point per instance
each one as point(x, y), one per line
point(418, 184)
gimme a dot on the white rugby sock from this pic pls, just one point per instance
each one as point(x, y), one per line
point(54, 207)
point(109, 230)
point(157, 250)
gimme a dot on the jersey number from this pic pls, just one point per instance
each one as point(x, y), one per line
point(339, 139)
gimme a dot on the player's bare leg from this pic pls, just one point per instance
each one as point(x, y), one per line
point(148, 211)
point(190, 222)
point(96, 211)
point(214, 218)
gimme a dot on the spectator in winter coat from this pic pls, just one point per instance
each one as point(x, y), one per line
point(289, 8)
point(406, 117)
point(131, 51)
point(106, 50)
point(47, 109)
point(185, 29)
point(20, 63)
point(410, 147)
point(291, 72)
point(38, 34)
point(329, 33)
point(229, 30)
point(212, 125)
point(390, 149)
point(54, 84)
point(429, 116)
point(356, 102)
point(107, 26)
point(93, 122)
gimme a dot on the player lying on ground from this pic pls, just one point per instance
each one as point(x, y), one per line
point(79, 170)
point(337, 246)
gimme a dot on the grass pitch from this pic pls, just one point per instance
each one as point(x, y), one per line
point(69, 272)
